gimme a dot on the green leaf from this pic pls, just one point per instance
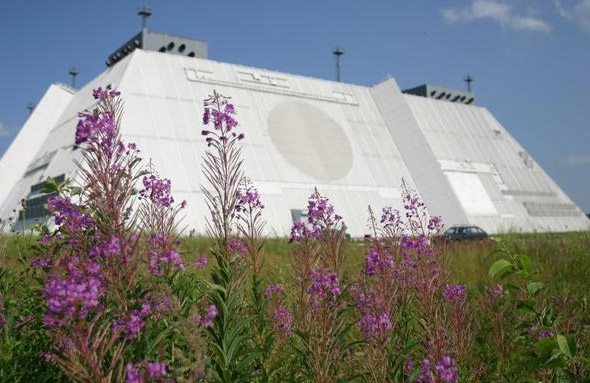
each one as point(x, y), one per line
point(501, 268)
point(525, 263)
point(50, 187)
point(563, 345)
point(75, 190)
point(526, 306)
point(533, 288)
point(546, 346)
point(512, 286)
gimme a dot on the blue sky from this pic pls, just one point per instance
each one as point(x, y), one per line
point(530, 58)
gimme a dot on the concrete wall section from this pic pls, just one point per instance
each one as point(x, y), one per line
point(424, 167)
point(16, 161)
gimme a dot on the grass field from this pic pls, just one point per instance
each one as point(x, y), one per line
point(561, 260)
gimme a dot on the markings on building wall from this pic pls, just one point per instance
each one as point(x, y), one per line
point(310, 140)
point(267, 83)
point(541, 209)
point(193, 74)
point(263, 79)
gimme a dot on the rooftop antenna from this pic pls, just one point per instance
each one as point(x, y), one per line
point(30, 107)
point(144, 12)
point(73, 72)
point(338, 52)
point(468, 79)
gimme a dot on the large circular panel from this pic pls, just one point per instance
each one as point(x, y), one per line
point(310, 140)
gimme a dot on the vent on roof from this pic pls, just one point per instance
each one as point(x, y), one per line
point(439, 93)
point(159, 42)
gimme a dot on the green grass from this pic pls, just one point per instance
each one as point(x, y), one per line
point(561, 261)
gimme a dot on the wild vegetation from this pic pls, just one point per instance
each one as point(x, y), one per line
point(113, 293)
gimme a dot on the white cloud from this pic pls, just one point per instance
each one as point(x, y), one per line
point(499, 11)
point(578, 11)
point(566, 14)
point(578, 160)
point(3, 131)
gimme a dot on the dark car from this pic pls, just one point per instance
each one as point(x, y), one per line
point(461, 233)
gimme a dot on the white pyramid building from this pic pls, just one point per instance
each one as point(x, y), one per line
point(354, 143)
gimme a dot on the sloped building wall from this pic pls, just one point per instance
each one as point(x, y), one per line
point(499, 185)
point(19, 166)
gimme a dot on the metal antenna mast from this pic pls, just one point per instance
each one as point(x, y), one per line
point(30, 107)
point(338, 52)
point(73, 72)
point(144, 12)
point(468, 79)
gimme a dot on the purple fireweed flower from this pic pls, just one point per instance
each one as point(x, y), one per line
point(98, 130)
point(495, 292)
point(44, 241)
point(156, 304)
point(412, 205)
point(325, 284)
point(390, 218)
point(67, 215)
point(159, 261)
point(47, 356)
point(425, 375)
point(419, 245)
point(200, 262)
point(157, 190)
point(276, 288)
point(229, 109)
point(545, 334)
point(41, 263)
point(156, 370)
point(219, 112)
point(211, 314)
point(445, 370)
point(163, 256)
point(2, 317)
point(112, 247)
point(131, 327)
point(455, 293)
point(74, 294)
point(409, 366)
point(132, 374)
point(320, 212)
point(375, 326)
point(249, 200)
point(237, 246)
point(435, 224)
point(372, 262)
point(301, 230)
point(324, 288)
point(320, 216)
point(282, 321)
point(375, 263)
point(101, 94)
point(538, 334)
